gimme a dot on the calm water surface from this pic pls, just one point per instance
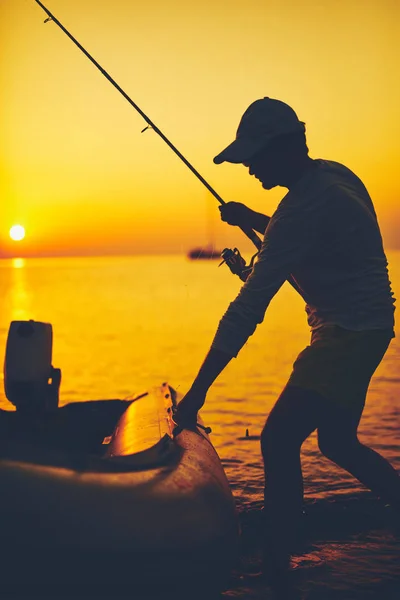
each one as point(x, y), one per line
point(124, 324)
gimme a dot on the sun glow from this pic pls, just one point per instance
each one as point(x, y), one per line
point(17, 233)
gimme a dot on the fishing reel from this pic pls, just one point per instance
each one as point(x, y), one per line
point(236, 263)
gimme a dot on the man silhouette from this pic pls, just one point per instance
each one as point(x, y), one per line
point(324, 239)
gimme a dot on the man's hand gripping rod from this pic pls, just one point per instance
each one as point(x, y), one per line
point(232, 257)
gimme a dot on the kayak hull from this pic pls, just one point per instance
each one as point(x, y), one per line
point(147, 508)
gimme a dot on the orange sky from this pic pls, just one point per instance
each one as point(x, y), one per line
point(78, 174)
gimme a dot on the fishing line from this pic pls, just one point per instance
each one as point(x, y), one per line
point(250, 233)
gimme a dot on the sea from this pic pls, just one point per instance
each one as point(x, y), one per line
point(124, 324)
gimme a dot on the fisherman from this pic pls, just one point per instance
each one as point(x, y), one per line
point(324, 238)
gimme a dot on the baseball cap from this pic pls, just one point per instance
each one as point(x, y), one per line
point(264, 120)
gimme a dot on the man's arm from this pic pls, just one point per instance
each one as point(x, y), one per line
point(287, 243)
point(259, 221)
point(214, 363)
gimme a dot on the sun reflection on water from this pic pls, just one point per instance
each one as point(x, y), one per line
point(18, 263)
point(19, 292)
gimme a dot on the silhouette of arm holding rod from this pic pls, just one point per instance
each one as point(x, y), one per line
point(235, 213)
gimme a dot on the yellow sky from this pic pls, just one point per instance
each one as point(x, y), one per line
point(75, 169)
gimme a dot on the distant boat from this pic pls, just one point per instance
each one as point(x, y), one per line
point(204, 253)
point(208, 251)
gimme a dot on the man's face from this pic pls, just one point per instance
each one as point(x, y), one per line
point(266, 167)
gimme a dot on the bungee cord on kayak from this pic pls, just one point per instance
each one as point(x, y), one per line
point(232, 258)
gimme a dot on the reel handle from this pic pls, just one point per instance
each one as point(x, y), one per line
point(236, 263)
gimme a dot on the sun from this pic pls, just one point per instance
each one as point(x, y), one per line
point(17, 233)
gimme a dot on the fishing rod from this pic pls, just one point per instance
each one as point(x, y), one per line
point(248, 231)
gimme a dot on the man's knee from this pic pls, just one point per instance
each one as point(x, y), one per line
point(273, 435)
point(289, 422)
point(337, 447)
point(293, 418)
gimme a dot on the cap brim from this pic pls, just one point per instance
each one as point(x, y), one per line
point(241, 150)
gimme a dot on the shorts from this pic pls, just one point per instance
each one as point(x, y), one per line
point(339, 363)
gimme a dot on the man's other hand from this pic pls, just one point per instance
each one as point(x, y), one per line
point(186, 413)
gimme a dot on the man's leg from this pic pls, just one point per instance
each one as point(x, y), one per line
point(294, 417)
point(338, 441)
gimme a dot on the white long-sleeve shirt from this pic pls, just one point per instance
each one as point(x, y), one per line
point(324, 237)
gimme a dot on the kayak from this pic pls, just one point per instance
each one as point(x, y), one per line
point(102, 494)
